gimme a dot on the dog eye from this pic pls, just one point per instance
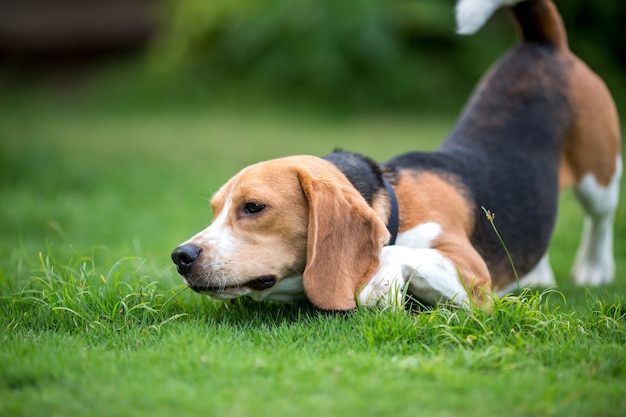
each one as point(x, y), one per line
point(252, 208)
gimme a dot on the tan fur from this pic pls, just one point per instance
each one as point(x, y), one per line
point(593, 142)
point(442, 202)
point(258, 238)
point(345, 239)
point(424, 197)
point(313, 217)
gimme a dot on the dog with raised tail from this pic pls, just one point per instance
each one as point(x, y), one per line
point(344, 231)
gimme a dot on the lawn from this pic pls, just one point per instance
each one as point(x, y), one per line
point(95, 194)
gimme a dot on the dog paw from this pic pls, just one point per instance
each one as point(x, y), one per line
point(594, 272)
point(383, 291)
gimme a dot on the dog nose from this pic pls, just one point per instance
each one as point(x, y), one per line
point(184, 256)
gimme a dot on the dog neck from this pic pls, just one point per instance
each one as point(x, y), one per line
point(367, 178)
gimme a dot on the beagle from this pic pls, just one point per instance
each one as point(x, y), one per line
point(345, 231)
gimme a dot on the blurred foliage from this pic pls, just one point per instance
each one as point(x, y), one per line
point(373, 53)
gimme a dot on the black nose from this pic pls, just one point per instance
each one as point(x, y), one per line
point(184, 256)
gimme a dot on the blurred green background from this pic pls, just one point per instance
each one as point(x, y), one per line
point(392, 54)
point(382, 55)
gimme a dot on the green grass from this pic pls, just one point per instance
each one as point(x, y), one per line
point(95, 194)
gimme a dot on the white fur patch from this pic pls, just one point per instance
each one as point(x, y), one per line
point(596, 199)
point(594, 264)
point(471, 15)
point(430, 276)
point(219, 237)
point(286, 290)
point(420, 236)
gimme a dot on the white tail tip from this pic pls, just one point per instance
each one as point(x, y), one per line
point(471, 15)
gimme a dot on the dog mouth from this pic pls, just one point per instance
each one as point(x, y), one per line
point(258, 284)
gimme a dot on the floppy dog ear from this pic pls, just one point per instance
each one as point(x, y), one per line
point(345, 238)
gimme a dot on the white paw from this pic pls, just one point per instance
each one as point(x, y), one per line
point(594, 272)
point(383, 291)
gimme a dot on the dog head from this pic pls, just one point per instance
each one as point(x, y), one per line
point(282, 222)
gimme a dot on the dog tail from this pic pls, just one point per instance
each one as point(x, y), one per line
point(538, 20)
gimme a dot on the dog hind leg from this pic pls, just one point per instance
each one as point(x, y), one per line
point(591, 163)
point(594, 264)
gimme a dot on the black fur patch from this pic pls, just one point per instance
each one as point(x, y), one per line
point(364, 174)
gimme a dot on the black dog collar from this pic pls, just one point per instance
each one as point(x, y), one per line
point(394, 216)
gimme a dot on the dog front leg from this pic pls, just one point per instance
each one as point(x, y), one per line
point(424, 273)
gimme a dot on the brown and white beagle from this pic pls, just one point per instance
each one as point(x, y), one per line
point(321, 228)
